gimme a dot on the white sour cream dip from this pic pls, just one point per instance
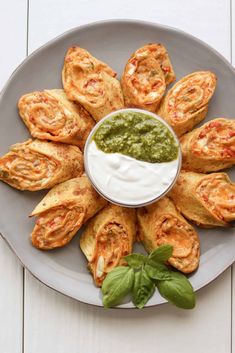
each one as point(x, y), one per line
point(127, 181)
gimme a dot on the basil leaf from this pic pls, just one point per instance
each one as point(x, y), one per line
point(162, 253)
point(135, 260)
point(117, 284)
point(143, 289)
point(178, 291)
point(158, 271)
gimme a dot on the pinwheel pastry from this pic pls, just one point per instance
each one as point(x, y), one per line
point(159, 52)
point(209, 148)
point(63, 211)
point(143, 82)
point(186, 103)
point(91, 83)
point(107, 238)
point(207, 199)
point(36, 165)
point(49, 115)
point(160, 223)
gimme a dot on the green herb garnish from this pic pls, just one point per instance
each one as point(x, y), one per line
point(142, 275)
point(117, 285)
point(178, 291)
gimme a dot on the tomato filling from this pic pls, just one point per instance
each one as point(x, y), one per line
point(55, 228)
point(216, 139)
point(160, 54)
point(23, 167)
point(172, 231)
point(145, 79)
point(111, 245)
point(189, 96)
point(218, 195)
point(47, 115)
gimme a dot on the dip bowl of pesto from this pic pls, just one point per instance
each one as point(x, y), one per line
point(132, 157)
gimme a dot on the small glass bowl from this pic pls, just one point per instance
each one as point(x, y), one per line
point(108, 196)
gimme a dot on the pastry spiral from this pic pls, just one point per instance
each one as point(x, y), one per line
point(91, 83)
point(160, 223)
point(49, 115)
point(207, 199)
point(107, 238)
point(159, 52)
point(186, 103)
point(143, 82)
point(63, 211)
point(209, 148)
point(36, 165)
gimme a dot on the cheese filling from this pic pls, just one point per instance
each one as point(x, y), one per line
point(218, 195)
point(111, 245)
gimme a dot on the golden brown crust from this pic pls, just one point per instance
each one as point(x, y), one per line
point(63, 211)
point(159, 52)
point(160, 223)
point(209, 148)
point(107, 238)
point(186, 103)
point(143, 82)
point(36, 165)
point(207, 199)
point(49, 115)
point(91, 83)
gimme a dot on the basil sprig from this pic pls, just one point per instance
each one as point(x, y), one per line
point(178, 291)
point(143, 289)
point(117, 285)
point(142, 275)
point(135, 260)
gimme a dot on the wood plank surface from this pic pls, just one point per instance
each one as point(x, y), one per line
point(233, 268)
point(55, 323)
point(209, 20)
point(13, 30)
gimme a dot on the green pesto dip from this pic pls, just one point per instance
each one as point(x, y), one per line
point(137, 135)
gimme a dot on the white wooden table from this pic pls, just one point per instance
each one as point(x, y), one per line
point(36, 319)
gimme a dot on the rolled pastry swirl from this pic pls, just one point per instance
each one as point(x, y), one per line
point(63, 211)
point(186, 103)
point(159, 52)
point(107, 238)
point(160, 223)
point(209, 148)
point(49, 115)
point(91, 83)
point(143, 82)
point(36, 165)
point(207, 199)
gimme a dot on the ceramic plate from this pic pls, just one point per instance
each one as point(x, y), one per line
point(113, 42)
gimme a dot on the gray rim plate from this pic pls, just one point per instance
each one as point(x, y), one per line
point(112, 41)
